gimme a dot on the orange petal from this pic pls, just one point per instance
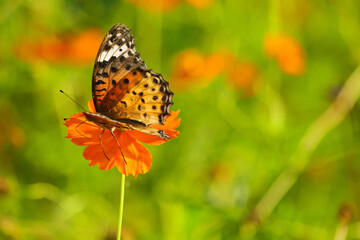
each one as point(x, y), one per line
point(146, 138)
point(82, 133)
point(138, 158)
point(170, 122)
point(173, 115)
point(95, 155)
point(91, 106)
point(169, 127)
point(108, 154)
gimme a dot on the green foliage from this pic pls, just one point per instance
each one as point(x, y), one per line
point(207, 183)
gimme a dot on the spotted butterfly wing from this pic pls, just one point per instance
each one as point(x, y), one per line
point(125, 93)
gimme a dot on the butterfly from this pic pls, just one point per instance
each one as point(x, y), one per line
point(127, 95)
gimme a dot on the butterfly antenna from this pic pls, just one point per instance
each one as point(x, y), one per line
point(102, 146)
point(73, 100)
point(112, 133)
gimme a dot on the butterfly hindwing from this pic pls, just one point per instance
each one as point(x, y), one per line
point(147, 98)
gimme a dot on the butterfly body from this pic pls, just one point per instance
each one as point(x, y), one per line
point(127, 95)
point(104, 121)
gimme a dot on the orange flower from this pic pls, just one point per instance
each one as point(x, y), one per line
point(245, 77)
point(287, 51)
point(192, 66)
point(156, 5)
point(202, 4)
point(78, 49)
point(138, 158)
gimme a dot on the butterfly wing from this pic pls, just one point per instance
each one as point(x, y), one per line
point(117, 55)
point(146, 98)
point(124, 89)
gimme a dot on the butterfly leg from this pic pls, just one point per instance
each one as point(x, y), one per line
point(101, 143)
point(112, 133)
point(76, 128)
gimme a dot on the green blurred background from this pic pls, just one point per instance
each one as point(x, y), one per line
point(257, 156)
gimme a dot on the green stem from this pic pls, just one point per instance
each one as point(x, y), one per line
point(122, 193)
point(316, 132)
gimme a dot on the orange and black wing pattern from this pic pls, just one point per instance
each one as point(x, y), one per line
point(122, 86)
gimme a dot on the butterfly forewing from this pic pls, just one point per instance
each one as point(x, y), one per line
point(124, 89)
point(117, 56)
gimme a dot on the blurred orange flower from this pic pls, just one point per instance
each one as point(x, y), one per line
point(78, 49)
point(244, 76)
point(200, 3)
point(138, 158)
point(156, 5)
point(194, 67)
point(287, 51)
